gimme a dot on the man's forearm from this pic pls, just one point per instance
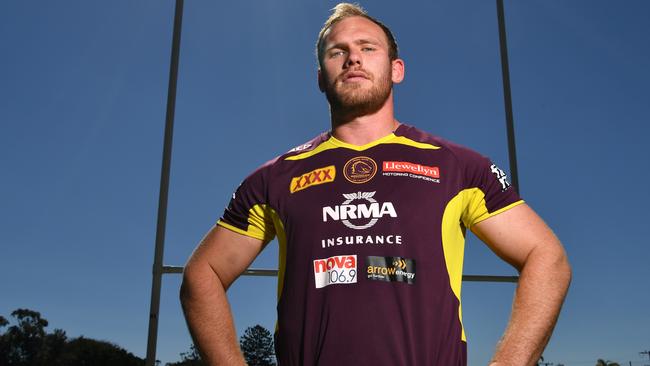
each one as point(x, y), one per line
point(543, 284)
point(209, 318)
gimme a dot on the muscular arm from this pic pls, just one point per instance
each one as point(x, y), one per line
point(218, 260)
point(521, 238)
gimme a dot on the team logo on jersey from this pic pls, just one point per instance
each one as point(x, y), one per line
point(390, 269)
point(360, 169)
point(412, 170)
point(313, 178)
point(360, 215)
point(337, 270)
point(501, 176)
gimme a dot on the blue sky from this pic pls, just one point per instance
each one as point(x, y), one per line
point(83, 88)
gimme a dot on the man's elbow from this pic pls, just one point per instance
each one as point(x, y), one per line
point(550, 262)
point(187, 283)
point(200, 282)
point(563, 268)
point(195, 282)
point(557, 267)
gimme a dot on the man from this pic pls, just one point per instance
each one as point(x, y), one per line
point(371, 220)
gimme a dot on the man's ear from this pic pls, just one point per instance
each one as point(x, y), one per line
point(397, 68)
point(321, 82)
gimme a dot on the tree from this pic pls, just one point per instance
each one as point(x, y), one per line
point(4, 344)
point(602, 362)
point(28, 344)
point(190, 358)
point(85, 351)
point(24, 342)
point(53, 347)
point(257, 346)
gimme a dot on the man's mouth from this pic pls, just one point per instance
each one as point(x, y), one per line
point(354, 76)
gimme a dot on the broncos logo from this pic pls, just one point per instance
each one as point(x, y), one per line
point(360, 169)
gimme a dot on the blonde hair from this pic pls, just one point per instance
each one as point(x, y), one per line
point(347, 10)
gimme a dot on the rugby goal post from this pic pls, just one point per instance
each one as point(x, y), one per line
point(159, 268)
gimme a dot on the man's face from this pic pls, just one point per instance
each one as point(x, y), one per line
point(356, 72)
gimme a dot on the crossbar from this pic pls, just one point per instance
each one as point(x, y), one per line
point(267, 272)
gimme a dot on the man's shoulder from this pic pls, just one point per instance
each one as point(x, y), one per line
point(296, 151)
point(420, 136)
point(306, 147)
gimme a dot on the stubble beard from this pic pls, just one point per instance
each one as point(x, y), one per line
point(354, 100)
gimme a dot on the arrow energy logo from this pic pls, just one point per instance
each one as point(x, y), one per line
point(390, 269)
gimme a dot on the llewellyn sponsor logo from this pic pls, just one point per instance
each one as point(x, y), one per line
point(360, 170)
point(361, 215)
point(390, 269)
point(313, 178)
point(412, 170)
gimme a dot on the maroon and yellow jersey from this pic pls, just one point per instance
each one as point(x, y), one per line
point(371, 245)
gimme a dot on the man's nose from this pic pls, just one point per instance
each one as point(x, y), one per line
point(354, 58)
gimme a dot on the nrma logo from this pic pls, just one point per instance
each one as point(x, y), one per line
point(360, 212)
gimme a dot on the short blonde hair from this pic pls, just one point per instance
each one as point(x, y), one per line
point(347, 10)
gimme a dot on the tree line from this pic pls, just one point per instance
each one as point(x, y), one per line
point(26, 342)
point(256, 345)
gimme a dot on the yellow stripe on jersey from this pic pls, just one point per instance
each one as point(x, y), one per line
point(282, 256)
point(238, 230)
point(488, 215)
point(453, 246)
point(333, 143)
point(259, 218)
point(382, 140)
point(406, 141)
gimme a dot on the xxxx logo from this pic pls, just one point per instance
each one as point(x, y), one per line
point(315, 177)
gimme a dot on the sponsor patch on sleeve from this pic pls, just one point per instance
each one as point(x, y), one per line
point(390, 269)
point(501, 177)
point(336, 270)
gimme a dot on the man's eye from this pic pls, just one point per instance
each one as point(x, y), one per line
point(337, 53)
point(368, 49)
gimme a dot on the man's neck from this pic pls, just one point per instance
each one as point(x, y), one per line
point(361, 130)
